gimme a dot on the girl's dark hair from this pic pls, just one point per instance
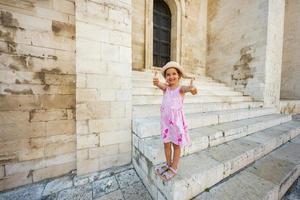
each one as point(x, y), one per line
point(179, 72)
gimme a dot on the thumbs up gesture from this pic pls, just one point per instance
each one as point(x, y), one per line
point(155, 79)
point(192, 89)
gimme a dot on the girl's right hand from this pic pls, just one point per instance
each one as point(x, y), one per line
point(155, 79)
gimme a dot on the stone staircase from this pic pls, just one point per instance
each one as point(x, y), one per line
point(229, 131)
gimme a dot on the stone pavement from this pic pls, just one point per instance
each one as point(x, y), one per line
point(121, 183)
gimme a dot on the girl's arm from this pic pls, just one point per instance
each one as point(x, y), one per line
point(158, 84)
point(191, 89)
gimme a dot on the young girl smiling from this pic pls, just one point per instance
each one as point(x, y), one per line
point(172, 120)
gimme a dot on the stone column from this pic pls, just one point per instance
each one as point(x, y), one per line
point(274, 48)
point(103, 86)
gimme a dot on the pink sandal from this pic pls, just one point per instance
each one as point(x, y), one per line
point(159, 170)
point(168, 174)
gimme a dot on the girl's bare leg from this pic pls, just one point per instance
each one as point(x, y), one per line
point(168, 152)
point(176, 156)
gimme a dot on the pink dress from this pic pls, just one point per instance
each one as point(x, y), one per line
point(172, 120)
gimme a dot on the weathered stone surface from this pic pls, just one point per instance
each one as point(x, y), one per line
point(104, 186)
point(245, 186)
point(136, 191)
point(31, 192)
point(77, 193)
point(127, 178)
point(57, 185)
point(116, 195)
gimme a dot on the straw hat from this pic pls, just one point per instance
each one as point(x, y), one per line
point(172, 64)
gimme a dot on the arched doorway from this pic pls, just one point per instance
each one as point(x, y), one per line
point(161, 33)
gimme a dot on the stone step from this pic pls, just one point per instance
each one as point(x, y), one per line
point(155, 99)
point(257, 181)
point(198, 84)
point(150, 126)
point(151, 110)
point(204, 169)
point(208, 136)
point(150, 74)
point(157, 92)
point(202, 88)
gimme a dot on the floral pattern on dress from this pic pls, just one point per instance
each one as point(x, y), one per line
point(173, 122)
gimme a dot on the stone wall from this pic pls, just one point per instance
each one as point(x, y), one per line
point(290, 81)
point(245, 46)
point(194, 35)
point(37, 90)
point(103, 86)
point(191, 29)
point(237, 37)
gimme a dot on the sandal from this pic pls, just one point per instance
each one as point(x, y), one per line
point(161, 169)
point(168, 174)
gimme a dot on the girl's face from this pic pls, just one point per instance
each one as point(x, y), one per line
point(172, 76)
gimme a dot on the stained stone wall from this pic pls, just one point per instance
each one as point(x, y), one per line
point(245, 46)
point(37, 90)
point(189, 48)
point(237, 37)
point(290, 81)
point(103, 86)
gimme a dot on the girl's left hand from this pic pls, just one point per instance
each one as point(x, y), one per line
point(192, 89)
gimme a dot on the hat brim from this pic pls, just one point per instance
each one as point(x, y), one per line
point(179, 68)
point(172, 64)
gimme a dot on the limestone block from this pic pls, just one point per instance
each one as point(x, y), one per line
point(48, 40)
point(125, 54)
point(81, 80)
point(54, 15)
point(115, 15)
point(107, 95)
point(118, 108)
point(107, 138)
point(101, 81)
point(104, 125)
point(119, 38)
point(64, 6)
point(48, 115)
point(88, 49)
point(110, 52)
point(103, 151)
point(2, 173)
point(25, 21)
point(32, 191)
point(90, 66)
point(119, 69)
point(87, 141)
point(57, 101)
point(60, 127)
point(123, 95)
point(53, 171)
point(92, 32)
point(60, 144)
point(13, 116)
point(31, 154)
point(82, 154)
point(93, 110)
point(125, 147)
point(22, 130)
point(82, 127)
point(85, 95)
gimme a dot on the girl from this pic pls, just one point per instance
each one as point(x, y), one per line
point(173, 122)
